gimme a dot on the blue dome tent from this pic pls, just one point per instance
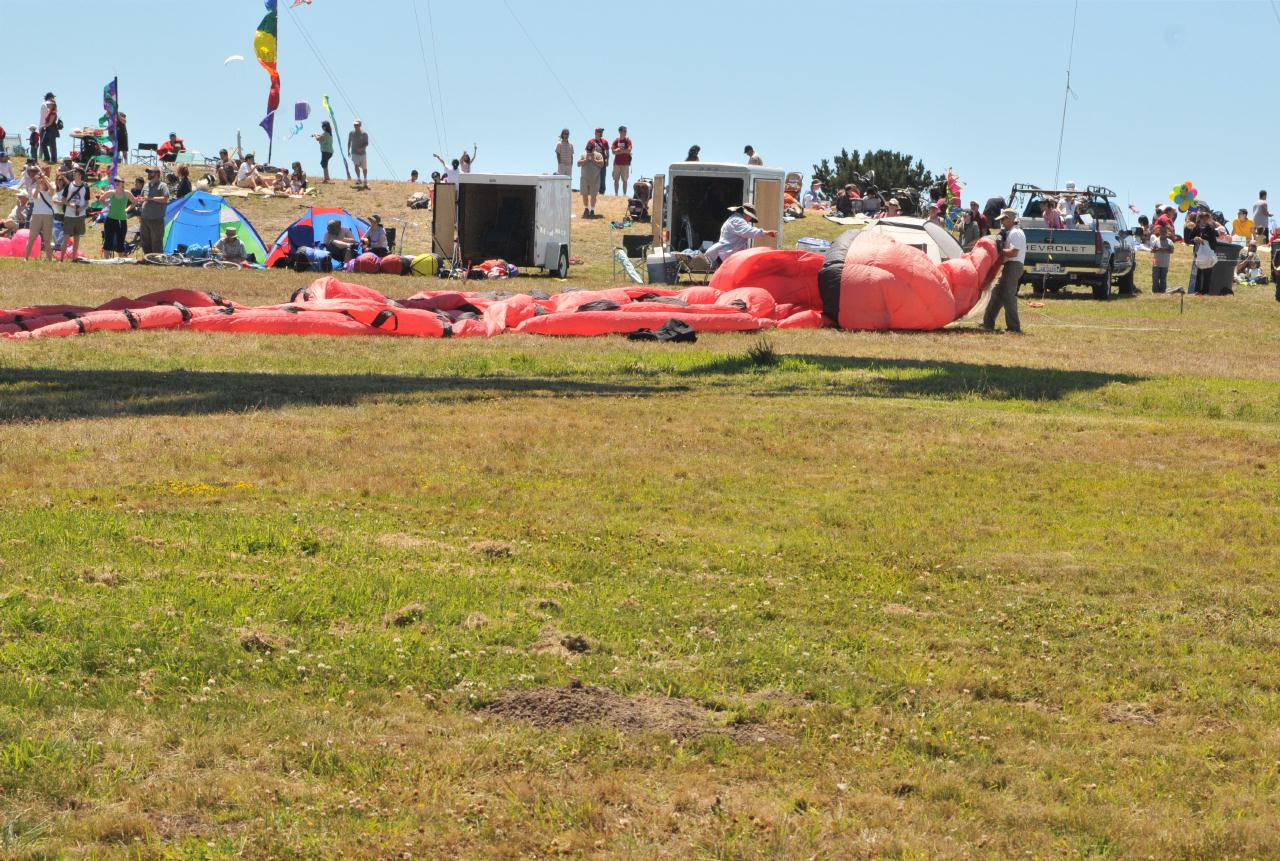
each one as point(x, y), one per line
point(201, 218)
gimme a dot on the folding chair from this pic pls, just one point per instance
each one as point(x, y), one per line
point(145, 154)
point(636, 246)
point(693, 266)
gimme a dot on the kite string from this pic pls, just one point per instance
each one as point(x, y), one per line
point(342, 92)
point(431, 98)
point(435, 54)
point(538, 51)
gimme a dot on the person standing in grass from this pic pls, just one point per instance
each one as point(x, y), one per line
point(592, 164)
point(49, 129)
point(115, 226)
point(122, 139)
point(75, 203)
point(602, 147)
point(358, 149)
point(325, 137)
point(155, 200)
point(1262, 217)
point(564, 154)
point(622, 152)
point(1161, 256)
point(41, 216)
point(1005, 294)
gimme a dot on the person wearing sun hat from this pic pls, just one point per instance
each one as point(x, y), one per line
point(1068, 204)
point(736, 234)
point(231, 248)
point(1005, 294)
point(376, 237)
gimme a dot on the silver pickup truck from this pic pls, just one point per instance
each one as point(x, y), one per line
point(1097, 249)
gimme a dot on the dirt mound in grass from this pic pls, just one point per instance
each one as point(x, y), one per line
point(554, 708)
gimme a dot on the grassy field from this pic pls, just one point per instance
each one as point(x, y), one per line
point(822, 595)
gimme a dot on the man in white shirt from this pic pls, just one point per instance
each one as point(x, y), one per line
point(736, 234)
point(248, 177)
point(1005, 293)
point(1262, 217)
point(753, 158)
point(6, 167)
point(1068, 205)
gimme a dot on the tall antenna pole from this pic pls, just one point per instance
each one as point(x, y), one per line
point(1071, 57)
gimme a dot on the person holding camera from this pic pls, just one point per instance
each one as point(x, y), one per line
point(1013, 247)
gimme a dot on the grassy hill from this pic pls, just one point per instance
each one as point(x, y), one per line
point(823, 594)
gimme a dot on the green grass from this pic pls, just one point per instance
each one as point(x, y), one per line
point(980, 597)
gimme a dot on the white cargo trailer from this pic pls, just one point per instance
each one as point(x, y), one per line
point(520, 218)
point(695, 197)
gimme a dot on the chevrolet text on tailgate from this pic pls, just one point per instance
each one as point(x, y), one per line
point(1092, 247)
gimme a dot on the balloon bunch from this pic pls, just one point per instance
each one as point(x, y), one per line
point(1184, 196)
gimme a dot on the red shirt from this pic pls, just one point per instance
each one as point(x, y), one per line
point(1163, 218)
point(622, 158)
point(602, 147)
point(170, 148)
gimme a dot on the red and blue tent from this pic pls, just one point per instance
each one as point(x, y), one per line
point(309, 231)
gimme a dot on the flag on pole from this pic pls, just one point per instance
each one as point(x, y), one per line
point(111, 121)
point(264, 45)
point(328, 109)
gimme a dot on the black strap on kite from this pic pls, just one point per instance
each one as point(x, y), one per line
point(228, 310)
point(184, 311)
point(382, 318)
point(80, 326)
point(132, 318)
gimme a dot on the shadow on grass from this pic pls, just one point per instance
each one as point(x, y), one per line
point(910, 378)
point(31, 394)
point(51, 394)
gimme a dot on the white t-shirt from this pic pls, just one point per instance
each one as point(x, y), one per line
point(451, 176)
point(1018, 240)
point(41, 202)
point(245, 169)
point(76, 198)
point(1261, 215)
point(6, 171)
point(1068, 210)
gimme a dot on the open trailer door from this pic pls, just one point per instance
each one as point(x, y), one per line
point(658, 209)
point(768, 200)
point(444, 220)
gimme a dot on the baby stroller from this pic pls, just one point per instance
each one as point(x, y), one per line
point(638, 205)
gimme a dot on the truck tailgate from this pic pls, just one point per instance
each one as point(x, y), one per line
point(1058, 250)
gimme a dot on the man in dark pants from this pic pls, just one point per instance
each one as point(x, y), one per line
point(1005, 293)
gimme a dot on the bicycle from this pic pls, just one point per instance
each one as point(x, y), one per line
point(180, 259)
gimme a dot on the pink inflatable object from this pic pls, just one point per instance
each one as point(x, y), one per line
point(875, 283)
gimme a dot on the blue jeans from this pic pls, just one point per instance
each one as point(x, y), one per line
point(1159, 279)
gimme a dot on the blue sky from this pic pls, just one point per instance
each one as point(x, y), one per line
point(977, 86)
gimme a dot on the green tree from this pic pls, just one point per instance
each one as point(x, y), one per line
point(894, 171)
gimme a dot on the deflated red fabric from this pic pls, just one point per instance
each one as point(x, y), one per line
point(332, 307)
point(788, 276)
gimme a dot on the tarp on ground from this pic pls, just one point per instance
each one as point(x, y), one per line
point(313, 226)
point(201, 218)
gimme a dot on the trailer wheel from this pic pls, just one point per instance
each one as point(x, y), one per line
point(1102, 288)
point(562, 266)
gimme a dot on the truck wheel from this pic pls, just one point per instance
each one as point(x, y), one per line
point(1126, 287)
point(562, 266)
point(1102, 288)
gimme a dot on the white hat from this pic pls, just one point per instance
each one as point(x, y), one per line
point(1009, 213)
